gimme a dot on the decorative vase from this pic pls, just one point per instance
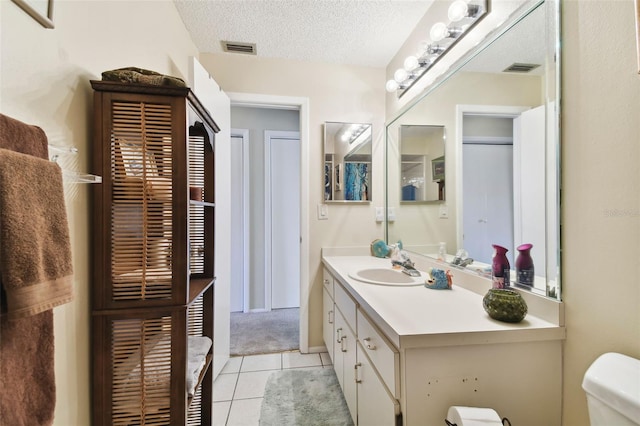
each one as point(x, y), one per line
point(505, 305)
point(524, 266)
point(500, 268)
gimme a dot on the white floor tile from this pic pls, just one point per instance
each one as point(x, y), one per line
point(251, 384)
point(221, 412)
point(224, 386)
point(262, 362)
point(245, 412)
point(232, 365)
point(298, 360)
point(326, 360)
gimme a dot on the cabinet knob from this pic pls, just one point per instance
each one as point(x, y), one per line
point(368, 344)
point(342, 343)
point(330, 317)
point(355, 372)
point(338, 332)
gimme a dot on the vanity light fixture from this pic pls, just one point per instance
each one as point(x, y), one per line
point(462, 16)
point(353, 132)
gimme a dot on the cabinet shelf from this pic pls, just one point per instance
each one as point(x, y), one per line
point(202, 203)
point(198, 285)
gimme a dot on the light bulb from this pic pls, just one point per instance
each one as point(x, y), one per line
point(392, 86)
point(458, 10)
point(411, 63)
point(400, 75)
point(439, 31)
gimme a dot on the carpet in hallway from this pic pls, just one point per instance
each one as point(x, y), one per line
point(265, 332)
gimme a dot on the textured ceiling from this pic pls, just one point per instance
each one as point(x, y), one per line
point(355, 32)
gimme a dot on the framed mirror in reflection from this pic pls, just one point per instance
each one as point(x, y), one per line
point(347, 162)
point(422, 165)
point(498, 106)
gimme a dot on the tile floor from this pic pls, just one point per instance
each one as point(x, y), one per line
point(240, 386)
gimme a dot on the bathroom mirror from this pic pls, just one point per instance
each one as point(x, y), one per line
point(347, 162)
point(498, 106)
point(421, 163)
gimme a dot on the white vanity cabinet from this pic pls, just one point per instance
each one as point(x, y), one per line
point(345, 361)
point(364, 381)
point(419, 351)
point(328, 313)
point(375, 405)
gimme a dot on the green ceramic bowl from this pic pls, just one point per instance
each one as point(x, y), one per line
point(505, 305)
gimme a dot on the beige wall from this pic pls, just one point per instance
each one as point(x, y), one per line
point(45, 77)
point(601, 190)
point(335, 93)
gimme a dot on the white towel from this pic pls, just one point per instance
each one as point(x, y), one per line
point(198, 348)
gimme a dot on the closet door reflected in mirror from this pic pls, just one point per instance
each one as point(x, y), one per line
point(347, 162)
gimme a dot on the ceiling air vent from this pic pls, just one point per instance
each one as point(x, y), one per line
point(519, 67)
point(238, 47)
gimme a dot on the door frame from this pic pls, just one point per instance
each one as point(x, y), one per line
point(246, 205)
point(302, 105)
point(461, 111)
point(268, 282)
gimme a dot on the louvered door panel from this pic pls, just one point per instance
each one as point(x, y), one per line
point(141, 360)
point(141, 234)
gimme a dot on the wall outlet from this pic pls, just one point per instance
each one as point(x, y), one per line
point(392, 214)
point(443, 211)
point(323, 212)
point(379, 214)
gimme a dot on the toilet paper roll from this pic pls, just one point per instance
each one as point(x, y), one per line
point(473, 416)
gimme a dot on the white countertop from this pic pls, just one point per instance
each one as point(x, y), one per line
point(422, 317)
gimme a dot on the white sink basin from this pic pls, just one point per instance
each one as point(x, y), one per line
point(386, 276)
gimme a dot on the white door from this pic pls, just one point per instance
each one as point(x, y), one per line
point(239, 221)
point(487, 182)
point(283, 219)
point(529, 174)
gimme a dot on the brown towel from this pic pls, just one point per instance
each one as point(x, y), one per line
point(28, 386)
point(28, 390)
point(35, 252)
point(20, 137)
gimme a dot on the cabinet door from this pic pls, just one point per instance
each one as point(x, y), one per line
point(327, 322)
point(345, 361)
point(375, 405)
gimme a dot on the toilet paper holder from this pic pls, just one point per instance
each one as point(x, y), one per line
point(505, 422)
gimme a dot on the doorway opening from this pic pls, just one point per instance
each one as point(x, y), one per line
point(270, 248)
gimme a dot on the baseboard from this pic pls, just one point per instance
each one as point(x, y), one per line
point(317, 349)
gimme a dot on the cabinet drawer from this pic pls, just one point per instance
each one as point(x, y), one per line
point(384, 357)
point(327, 281)
point(347, 306)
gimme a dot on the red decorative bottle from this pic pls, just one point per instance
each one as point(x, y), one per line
point(500, 268)
point(524, 266)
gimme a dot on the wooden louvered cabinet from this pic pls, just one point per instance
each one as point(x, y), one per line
point(153, 256)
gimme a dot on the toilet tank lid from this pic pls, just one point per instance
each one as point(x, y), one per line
point(614, 379)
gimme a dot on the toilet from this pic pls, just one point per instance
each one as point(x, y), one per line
point(472, 416)
point(612, 385)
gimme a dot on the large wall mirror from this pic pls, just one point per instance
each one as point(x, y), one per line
point(347, 162)
point(498, 109)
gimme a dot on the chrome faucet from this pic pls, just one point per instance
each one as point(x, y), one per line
point(407, 267)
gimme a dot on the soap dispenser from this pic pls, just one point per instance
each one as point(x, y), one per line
point(500, 268)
